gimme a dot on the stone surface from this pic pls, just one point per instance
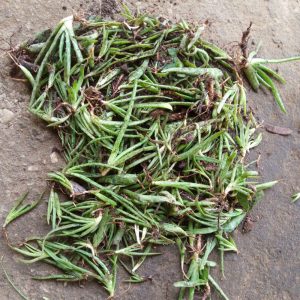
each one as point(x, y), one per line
point(267, 266)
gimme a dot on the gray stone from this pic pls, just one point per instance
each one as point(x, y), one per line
point(53, 157)
point(6, 116)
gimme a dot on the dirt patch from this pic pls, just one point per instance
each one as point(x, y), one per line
point(100, 8)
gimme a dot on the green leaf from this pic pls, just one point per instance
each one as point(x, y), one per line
point(19, 210)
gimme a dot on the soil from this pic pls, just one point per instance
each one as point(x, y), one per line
point(267, 266)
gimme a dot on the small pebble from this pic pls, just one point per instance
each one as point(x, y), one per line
point(53, 157)
point(6, 116)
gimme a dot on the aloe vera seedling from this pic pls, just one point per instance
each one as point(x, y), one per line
point(259, 75)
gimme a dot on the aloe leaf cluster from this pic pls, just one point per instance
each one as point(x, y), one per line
point(154, 127)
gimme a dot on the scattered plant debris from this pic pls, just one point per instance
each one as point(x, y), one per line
point(154, 126)
point(295, 197)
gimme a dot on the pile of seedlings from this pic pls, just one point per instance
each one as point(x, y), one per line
point(154, 126)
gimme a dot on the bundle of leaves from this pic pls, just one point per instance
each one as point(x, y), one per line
point(154, 127)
